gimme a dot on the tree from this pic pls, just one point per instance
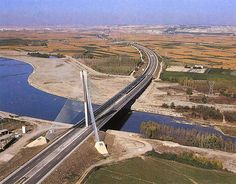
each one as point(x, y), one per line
point(204, 99)
point(185, 136)
point(189, 91)
point(44, 44)
point(172, 105)
point(164, 105)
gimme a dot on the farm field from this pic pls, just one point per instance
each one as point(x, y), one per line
point(99, 54)
point(224, 79)
point(156, 170)
point(79, 43)
point(119, 65)
point(209, 50)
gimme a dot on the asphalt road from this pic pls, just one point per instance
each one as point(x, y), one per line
point(39, 167)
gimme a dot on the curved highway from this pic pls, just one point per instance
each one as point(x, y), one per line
point(40, 166)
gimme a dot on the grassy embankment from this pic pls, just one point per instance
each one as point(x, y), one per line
point(153, 169)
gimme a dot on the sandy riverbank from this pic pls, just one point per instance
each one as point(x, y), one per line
point(152, 99)
point(61, 77)
point(160, 92)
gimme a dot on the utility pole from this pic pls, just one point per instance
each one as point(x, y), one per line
point(99, 145)
point(211, 87)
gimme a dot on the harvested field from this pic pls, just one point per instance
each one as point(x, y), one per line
point(76, 43)
point(208, 50)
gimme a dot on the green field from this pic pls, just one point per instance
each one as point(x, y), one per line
point(26, 42)
point(213, 74)
point(224, 79)
point(159, 171)
point(118, 65)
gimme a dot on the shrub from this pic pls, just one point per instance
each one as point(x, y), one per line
point(204, 99)
point(172, 105)
point(188, 137)
point(230, 116)
point(37, 54)
point(164, 105)
point(189, 91)
point(209, 112)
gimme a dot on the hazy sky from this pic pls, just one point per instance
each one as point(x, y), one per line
point(109, 12)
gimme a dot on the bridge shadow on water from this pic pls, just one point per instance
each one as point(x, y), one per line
point(118, 121)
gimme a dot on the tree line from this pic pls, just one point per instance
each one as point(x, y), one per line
point(188, 137)
point(45, 55)
point(204, 112)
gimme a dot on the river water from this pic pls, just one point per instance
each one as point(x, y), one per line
point(134, 119)
point(18, 97)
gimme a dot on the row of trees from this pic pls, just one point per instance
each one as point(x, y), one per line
point(118, 65)
point(37, 54)
point(230, 116)
point(188, 137)
point(204, 112)
point(200, 111)
point(45, 55)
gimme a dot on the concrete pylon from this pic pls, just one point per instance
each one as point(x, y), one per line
point(85, 98)
point(89, 103)
point(99, 145)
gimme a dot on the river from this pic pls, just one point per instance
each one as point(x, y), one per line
point(134, 119)
point(19, 97)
